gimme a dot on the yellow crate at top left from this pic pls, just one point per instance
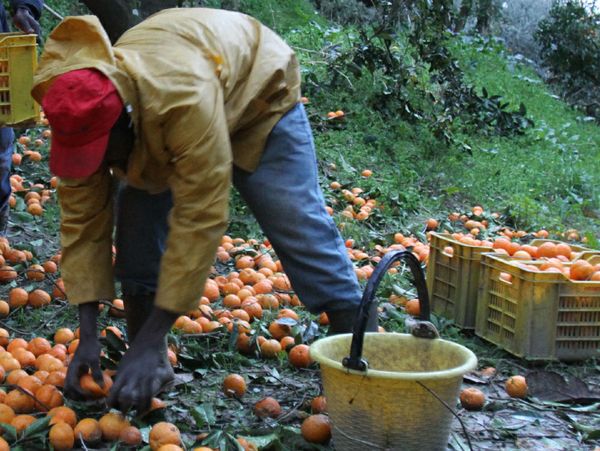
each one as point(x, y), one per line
point(18, 61)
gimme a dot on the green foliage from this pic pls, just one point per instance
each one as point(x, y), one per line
point(569, 40)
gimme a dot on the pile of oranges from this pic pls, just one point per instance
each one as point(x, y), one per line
point(35, 195)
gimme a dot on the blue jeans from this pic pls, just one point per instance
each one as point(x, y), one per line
point(7, 138)
point(284, 195)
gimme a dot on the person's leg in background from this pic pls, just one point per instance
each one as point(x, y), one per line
point(284, 196)
point(141, 235)
point(7, 138)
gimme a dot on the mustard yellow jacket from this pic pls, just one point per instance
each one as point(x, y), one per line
point(204, 88)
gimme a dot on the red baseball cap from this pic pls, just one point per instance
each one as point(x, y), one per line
point(81, 106)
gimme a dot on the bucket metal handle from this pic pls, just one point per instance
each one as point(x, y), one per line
point(421, 328)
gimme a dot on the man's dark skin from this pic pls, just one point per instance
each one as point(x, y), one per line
point(25, 22)
point(144, 369)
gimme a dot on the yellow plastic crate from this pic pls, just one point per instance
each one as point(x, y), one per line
point(18, 61)
point(537, 315)
point(453, 280)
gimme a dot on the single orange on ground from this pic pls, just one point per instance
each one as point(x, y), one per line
point(516, 387)
point(63, 414)
point(131, 436)
point(270, 348)
point(472, 398)
point(234, 385)
point(112, 424)
point(267, 407)
point(88, 430)
point(62, 436)
point(316, 428)
point(318, 404)
point(299, 356)
point(164, 433)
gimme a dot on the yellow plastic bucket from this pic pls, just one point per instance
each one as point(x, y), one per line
point(402, 400)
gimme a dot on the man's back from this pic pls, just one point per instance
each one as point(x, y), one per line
point(179, 50)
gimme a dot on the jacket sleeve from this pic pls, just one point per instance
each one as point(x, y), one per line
point(86, 235)
point(198, 138)
point(35, 6)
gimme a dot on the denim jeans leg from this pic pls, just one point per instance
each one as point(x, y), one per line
point(7, 138)
point(141, 236)
point(284, 196)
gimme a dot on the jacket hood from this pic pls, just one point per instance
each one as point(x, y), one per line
point(80, 42)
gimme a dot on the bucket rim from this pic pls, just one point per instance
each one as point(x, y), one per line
point(460, 370)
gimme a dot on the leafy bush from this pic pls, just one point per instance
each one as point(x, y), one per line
point(570, 46)
point(414, 77)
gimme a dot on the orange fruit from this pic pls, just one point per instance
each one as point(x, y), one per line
point(472, 398)
point(278, 331)
point(20, 422)
point(88, 430)
point(232, 301)
point(4, 446)
point(318, 404)
point(14, 376)
point(25, 357)
point(164, 433)
point(8, 362)
point(112, 424)
point(170, 447)
point(61, 436)
point(118, 309)
point(299, 356)
point(581, 270)
point(413, 307)
point(56, 378)
point(564, 249)
point(4, 309)
point(35, 209)
point(64, 336)
point(288, 313)
point(131, 436)
point(17, 297)
point(431, 224)
point(7, 274)
point(30, 383)
point(4, 337)
point(39, 346)
point(316, 429)
point(39, 298)
point(270, 348)
point(35, 272)
point(547, 250)
point(267, 407)
point(19, 401)
point(287, 343)
point(6, 413)
point(50, 266)
point(516, 387)
point(48, 396)
point(63, 414)
point(234, 385)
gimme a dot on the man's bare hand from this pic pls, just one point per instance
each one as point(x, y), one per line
point(24, 21)
point(87, 358)
point(144, 371)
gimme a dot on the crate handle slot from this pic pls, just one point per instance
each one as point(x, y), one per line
point(447, 254)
